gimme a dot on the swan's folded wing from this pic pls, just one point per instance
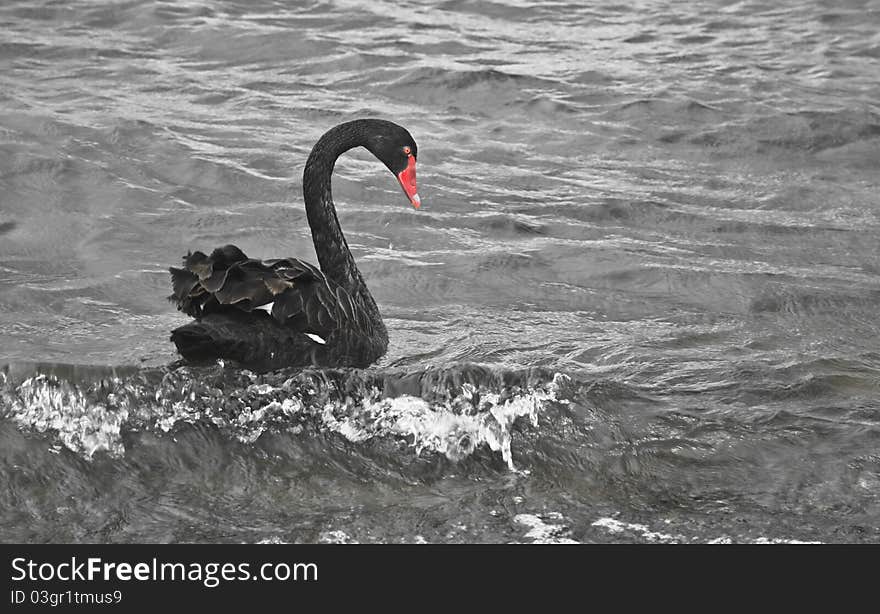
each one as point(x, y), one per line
point(312, 306)
point(245, 285)
point(300, 295)
point(194, 285)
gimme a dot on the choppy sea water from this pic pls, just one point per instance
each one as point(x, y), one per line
point(639, 302)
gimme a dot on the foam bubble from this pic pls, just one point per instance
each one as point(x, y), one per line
point(440, 427)
point(451, 417)
point(612, 525)
point(46, 404)
point(543, 532)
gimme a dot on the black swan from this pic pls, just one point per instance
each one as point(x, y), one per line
point(271, 314)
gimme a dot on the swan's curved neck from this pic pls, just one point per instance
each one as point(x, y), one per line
point(335, 258)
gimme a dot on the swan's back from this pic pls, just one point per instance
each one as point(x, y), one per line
point(285, 312)
point(271, 313)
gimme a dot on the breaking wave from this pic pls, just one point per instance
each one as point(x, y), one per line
point(451, 411)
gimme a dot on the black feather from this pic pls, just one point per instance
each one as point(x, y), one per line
point(223, 290)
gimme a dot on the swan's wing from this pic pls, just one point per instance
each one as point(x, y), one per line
point(300, 296)
point(227, 276)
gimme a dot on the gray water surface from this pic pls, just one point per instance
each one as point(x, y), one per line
point(639, 302)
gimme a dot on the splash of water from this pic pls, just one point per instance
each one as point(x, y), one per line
point(450, 412)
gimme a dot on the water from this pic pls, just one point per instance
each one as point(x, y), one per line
point(638, 303)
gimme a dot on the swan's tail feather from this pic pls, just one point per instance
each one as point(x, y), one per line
point(197, 342)
point(248, 338)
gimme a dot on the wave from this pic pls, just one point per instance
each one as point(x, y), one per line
point(813, 132)
point(690, 122)
point(464, 79)
point(819, 130)
point(482, 91)
point(451, 411)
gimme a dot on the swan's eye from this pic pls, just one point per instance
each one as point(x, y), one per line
point(407, 150)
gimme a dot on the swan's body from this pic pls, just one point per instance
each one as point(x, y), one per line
point(286, 312)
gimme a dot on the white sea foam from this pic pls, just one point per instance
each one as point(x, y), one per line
point(543, 529)
point(615, 526)
point(44, 404)
point(438, 427)
point(272, 540)
point(781, 540)
point(612, 525)
point(335, 537)
point(91, 418)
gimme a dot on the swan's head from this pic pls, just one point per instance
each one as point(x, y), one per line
point(396, 148)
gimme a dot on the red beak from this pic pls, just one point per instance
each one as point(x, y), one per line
point(407, 179)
